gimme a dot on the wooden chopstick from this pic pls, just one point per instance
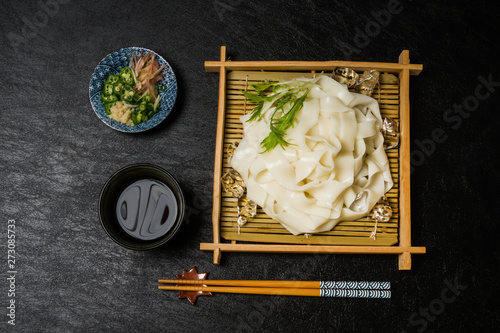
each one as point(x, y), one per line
point(358, 285)
point(353, 293)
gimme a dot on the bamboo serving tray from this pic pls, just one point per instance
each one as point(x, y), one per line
point(263, 234)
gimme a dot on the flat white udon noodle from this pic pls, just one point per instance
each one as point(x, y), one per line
point(336, 152)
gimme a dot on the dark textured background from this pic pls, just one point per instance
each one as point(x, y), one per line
point(56, 155)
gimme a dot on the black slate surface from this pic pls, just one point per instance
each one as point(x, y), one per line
point(56, 155)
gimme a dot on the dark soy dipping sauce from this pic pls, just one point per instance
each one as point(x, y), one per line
point(146, 209)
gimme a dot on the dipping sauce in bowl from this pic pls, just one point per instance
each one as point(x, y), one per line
point(141, 206)
point(146, 209)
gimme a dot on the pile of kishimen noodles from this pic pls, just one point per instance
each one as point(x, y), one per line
point(325, 165)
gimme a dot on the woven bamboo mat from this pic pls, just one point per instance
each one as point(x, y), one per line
point(262, 228)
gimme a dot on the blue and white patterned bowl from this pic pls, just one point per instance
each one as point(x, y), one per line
point(112, 64)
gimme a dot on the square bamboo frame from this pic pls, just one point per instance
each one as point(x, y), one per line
point(403, 69)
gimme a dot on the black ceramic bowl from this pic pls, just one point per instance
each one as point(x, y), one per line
point(141, 206)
